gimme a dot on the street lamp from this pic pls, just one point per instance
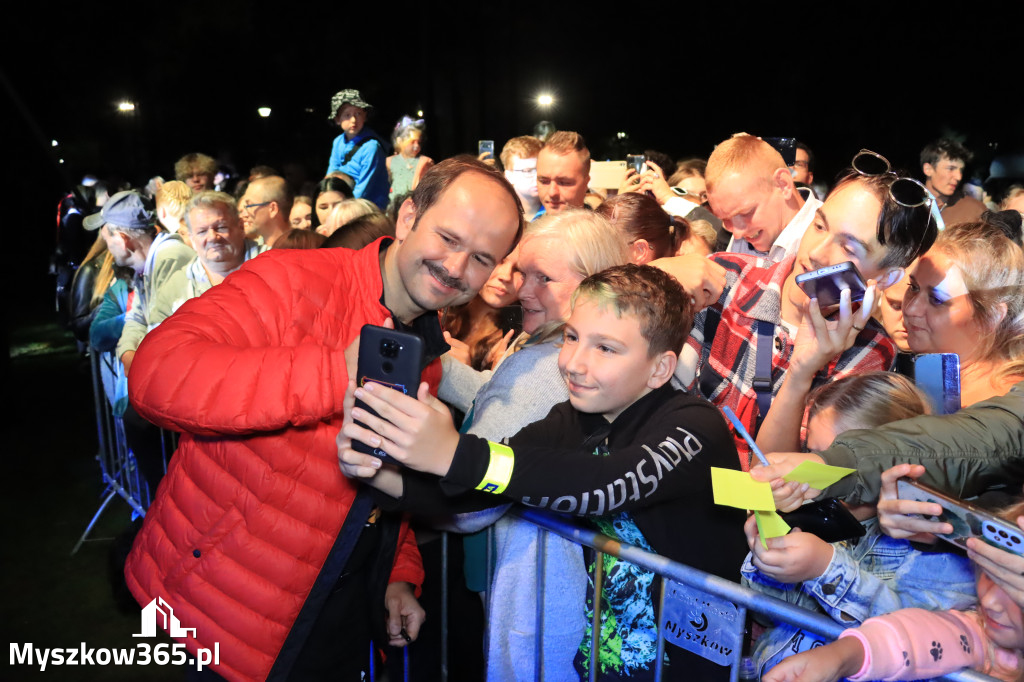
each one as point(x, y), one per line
point(545, 100)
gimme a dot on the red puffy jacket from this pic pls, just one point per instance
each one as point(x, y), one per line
point(253, 372)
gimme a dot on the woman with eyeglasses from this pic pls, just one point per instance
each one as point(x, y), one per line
point(966, 296)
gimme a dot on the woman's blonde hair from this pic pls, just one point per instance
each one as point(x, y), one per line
point(589, 243)
point(993, 268)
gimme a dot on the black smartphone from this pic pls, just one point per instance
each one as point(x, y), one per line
point(390, 358)
point(967, 520)
point(829, 519)
point(938, 376)
point(786, 146)
point(827, 284)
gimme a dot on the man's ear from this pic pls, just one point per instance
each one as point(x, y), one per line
point(406, 219)
point(783, 180)
point(126, 242)
point(928, 170)
point(664, 368)
point(274, 209)
point(890, 277)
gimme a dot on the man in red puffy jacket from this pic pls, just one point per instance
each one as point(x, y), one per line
point(255, 539)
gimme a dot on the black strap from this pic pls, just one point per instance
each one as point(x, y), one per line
point(355, 520)
point(352, 152)
point(763, 368)
point(709, 379)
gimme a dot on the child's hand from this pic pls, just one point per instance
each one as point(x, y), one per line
point(788, 495)
point(895, 515)
point(828, 663)
point(792, 558)
point(417, 433)
point(1005, 569)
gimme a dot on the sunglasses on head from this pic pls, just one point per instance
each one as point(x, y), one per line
point(899, 223)
point(904, 191)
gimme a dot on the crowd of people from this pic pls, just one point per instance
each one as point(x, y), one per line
point(579, 344)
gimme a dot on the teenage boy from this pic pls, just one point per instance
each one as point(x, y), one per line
point(627, 449)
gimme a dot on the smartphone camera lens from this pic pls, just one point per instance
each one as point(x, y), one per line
point(389, 348)
point(1015, 539)
point(1003, 534)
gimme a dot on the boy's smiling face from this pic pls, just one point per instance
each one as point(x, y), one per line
point(605, 363)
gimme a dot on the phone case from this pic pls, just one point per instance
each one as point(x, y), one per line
point(826, 284)
point(967, 520)
point(938, 375)
point(829, 519)
point(393, 359)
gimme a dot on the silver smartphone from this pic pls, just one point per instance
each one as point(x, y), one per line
point(968, 521)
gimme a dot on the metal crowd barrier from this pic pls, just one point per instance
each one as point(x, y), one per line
point(118, 467)
point(121, 476)
point(726, 594)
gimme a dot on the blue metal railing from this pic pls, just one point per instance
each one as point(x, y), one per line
point(744, 598)
point(121, 477)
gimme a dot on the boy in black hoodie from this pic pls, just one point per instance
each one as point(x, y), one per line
point(627, 450)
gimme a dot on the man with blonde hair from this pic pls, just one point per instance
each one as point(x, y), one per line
point(171, 199)
point(751, 191)
point(519, 159)
point(563, 171)
point(265, 208)
point(196, 170)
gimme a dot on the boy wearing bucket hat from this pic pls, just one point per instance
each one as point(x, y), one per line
point(357, 152)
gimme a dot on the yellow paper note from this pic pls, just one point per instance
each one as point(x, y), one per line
point(816, 474)
point(770, 525)
point(737, 489)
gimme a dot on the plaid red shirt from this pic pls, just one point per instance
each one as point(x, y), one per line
point(754, 293)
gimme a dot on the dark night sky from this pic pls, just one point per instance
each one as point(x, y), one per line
point(675, 76)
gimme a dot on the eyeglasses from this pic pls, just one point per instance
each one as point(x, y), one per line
point(800, 163)
point(251, 208)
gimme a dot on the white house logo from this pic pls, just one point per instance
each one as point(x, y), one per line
point(159, 614)
point(156, 614)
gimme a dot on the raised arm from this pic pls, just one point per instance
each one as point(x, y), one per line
point(253, 354)
point(976, 449)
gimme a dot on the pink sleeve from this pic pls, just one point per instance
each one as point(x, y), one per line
point(913, 644)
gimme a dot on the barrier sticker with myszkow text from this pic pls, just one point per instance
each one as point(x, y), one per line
point(705, 625)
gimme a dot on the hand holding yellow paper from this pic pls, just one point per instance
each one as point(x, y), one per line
point(770, 525)
point(816, 474)
point(737, 489)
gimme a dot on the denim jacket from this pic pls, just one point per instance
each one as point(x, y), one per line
point(868, 576)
